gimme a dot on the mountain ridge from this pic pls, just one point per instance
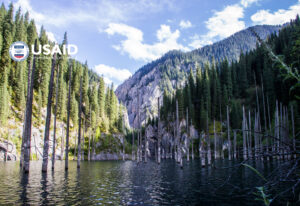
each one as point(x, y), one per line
point(170, 70)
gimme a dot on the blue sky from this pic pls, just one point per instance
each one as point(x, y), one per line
point(117, 37)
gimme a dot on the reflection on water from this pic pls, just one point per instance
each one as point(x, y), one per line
point(126, 183)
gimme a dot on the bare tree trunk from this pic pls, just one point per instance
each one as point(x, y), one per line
point(27, 99)
point(48, 118)
point(281, 132)
point(192, 140)
point(139, 137)
point(215, 140)
point(62, 142)
point(228, 134)
point(79, 126)
point(28, 121)
point(75, 148)
point(265, 120)
point(132, 153)
point(208, 142)
point(82, 138)
point(55, 113)
point(250, 137)
point(188, 135)
point(89, 152)
point(244, 134)
point(234, 144)
point(293, 131)
point(68, 121)
point(158, 133)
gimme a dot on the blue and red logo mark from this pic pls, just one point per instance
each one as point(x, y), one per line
point(18, 51)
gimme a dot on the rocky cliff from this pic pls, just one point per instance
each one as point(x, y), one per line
point(170, 70)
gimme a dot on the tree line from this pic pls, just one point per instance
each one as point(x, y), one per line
point(54, 81)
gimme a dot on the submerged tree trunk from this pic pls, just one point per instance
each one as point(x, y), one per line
point(188, 135)
point(192, 141)
point(26, 140)
point(244, 128)
point(79, 126)
point(215, 140)
point(55, 113)
point(48, 118)
point(132, 152)
point(158, 133)
point(293, 132)
point(234, 144)
point(228, 134)
point(68, 121)
point(208, 143)
point(25, 112)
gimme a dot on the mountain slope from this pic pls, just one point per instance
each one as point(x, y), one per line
point(171, 69)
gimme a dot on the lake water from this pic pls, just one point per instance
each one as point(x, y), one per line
point(129, 183)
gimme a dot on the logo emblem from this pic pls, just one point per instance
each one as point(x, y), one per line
point(18, 51)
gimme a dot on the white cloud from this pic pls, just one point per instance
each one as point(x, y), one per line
point(185, 24)
point(97, 13)
point(278, 17)
point(221, 25)
point(247, 3)
point(112, 74)
point(134, 46)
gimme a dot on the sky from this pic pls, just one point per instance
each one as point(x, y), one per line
point(117, 37)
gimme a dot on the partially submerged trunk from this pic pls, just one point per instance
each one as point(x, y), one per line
point(79, 126)
point(68, 121)
point(55, 113)
point(48, 118)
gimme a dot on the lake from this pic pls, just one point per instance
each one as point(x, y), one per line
point(129, 183)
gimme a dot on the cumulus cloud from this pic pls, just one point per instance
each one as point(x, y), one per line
point(221, 25)
point(278, 17)
point(247, 3)
point(112, 74)
point(134, 46)
point(185, 24)
point(97, 13)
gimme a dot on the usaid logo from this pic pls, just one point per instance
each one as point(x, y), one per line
point(18, 51)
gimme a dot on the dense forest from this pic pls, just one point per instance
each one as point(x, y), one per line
point(225, 99)
point(101, 110)
point(255, 78)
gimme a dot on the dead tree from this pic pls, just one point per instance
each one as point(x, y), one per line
point(215, 140)
point(48, 118)
point(158, 133)
point(293, 131)
point(79, 126)
point(27, 99)
point(132, 148)
point(244, 128)
point(55, 115)
point(68, 121)
point(228, 135)
point(188, 135)
point(208, 142)
point(192, 140)
point(26, 141)
point(234, 145)
point(250, 137)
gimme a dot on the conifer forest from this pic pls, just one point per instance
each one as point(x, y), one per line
point(216, 125)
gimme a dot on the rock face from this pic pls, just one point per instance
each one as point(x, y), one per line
point(9, 149)
point(171, 70)
point(109, 156)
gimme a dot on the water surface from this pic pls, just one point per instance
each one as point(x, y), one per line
point(129, 183)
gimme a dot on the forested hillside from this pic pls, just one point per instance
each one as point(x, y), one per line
point(171, 70)
point(101, 110)
point(256, 80)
